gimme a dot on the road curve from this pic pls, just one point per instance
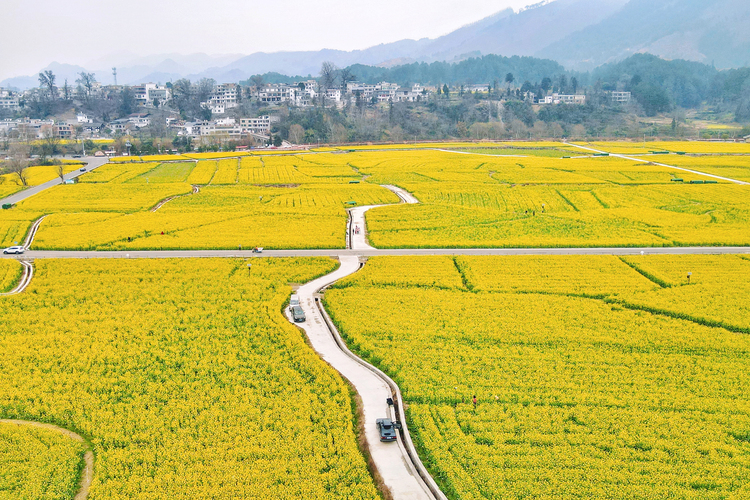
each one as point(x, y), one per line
point(92, 163)
point(88, 471)
point(356, 236)
point(393, 463)
point(631, 158)
point(403, 194)
point(32, 232)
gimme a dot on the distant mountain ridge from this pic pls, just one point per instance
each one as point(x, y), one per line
point(579, 34)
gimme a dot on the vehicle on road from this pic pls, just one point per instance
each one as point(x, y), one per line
point(83, 169)
point(294, 301)
point(387, 429)
point(14, 250)
point(298, 315)
point(258, 250)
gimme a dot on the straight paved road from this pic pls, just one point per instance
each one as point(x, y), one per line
point(625, 157)
point(390, 459)
point(182, 254)
point(93, 162)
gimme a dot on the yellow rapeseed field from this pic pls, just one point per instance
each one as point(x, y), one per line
point(480, 201)
point(14, 226)
point(671, 146)
point(10, 272)
point(184, 376)
point(38, 463)
point(588, 382)
point(203, 172)
point(10, 183)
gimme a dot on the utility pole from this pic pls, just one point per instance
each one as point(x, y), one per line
point(114, 73)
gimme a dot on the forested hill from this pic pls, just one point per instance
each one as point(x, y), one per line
point(487, 69)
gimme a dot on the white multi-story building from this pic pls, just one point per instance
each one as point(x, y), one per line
point(563, 99)
point(621, 97)
point(145, 94)
point(8, 100)
point(259, 125)
point(276, 93)
point(223, 97)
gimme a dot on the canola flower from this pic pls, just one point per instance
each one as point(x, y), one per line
point(38, 463)
point(184, 376)
point(10, 273)
point(580, 393)
point(14, 226)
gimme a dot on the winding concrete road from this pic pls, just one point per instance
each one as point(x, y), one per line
point(632, 158)
point(393, 463)
point(356, 238)
point(93, 162)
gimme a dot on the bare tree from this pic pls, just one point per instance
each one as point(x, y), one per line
point(47, 80)
point(296, 134)
point(60, 171)
point(50, 142)
point(19, 160)
point(327, 79)
point(86, 81)
point(346, 76)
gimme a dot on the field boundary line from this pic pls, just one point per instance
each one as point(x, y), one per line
point(625, 157)
point(479, 154)
point(87, 474)
point(196, 190)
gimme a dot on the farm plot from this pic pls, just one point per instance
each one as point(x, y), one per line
point(38, 463)
point(581, 393)
point(274, 202)
point(229, 217)
point(10, 273)
point(547, 202)
point(185, 378)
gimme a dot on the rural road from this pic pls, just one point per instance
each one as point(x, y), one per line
point(391, 460)
point(357, 237)
point(93, 162)
point(374, 252)
point(632, 158)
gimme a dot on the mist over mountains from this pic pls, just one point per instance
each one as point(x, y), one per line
point(579, 34)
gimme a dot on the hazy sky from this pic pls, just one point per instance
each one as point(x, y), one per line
point(35, 33)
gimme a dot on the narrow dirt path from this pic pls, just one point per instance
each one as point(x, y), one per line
point(196, 190)
point(87, 474)
point(631, 158)
point(397, 464)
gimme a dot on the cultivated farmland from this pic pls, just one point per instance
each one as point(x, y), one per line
point(592, 380)
point(184, 376)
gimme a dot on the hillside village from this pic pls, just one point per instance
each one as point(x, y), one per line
point(223, 117)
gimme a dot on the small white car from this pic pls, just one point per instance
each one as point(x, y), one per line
point(14, 250)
